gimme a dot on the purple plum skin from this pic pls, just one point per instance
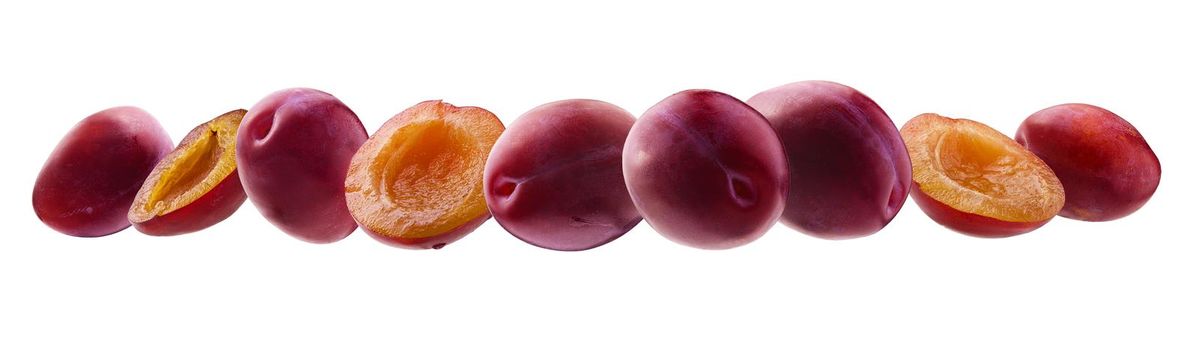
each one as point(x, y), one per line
point(706, 170)
point(554, 178)
point(89, 182)
point(850, 171)
point(293, 152)
point(1106, 167)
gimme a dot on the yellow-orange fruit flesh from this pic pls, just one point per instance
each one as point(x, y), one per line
point(418, 182)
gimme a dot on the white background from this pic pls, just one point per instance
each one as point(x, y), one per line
point(1127, 284)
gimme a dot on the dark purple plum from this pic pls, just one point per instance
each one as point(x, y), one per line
point(87, 185)
point(554, 178)
point(706, 170)
point(293, 153)
point(850, 172)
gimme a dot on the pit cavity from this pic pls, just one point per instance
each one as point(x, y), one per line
point(980, 163)
point(193, 171)
point(427, 167)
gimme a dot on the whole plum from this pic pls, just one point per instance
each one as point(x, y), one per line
point(1105, 165)
point(850, 172)
point(88, 184)
point(706, 170)
point(293, 152)
point(554, 176)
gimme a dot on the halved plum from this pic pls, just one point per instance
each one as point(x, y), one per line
point(975, 180)
point(417, 183)
point(196, 185)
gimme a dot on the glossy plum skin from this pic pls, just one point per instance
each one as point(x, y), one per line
point(706, 170)
point(1105, 165)
point(554, 178)
point(850, 172)
point(971, 224)
point(213, 207)
point(90, 179)
point(293, 151)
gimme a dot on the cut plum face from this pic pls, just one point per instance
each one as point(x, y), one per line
point(975, 180)
point(418, 182)
point(196, 185)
